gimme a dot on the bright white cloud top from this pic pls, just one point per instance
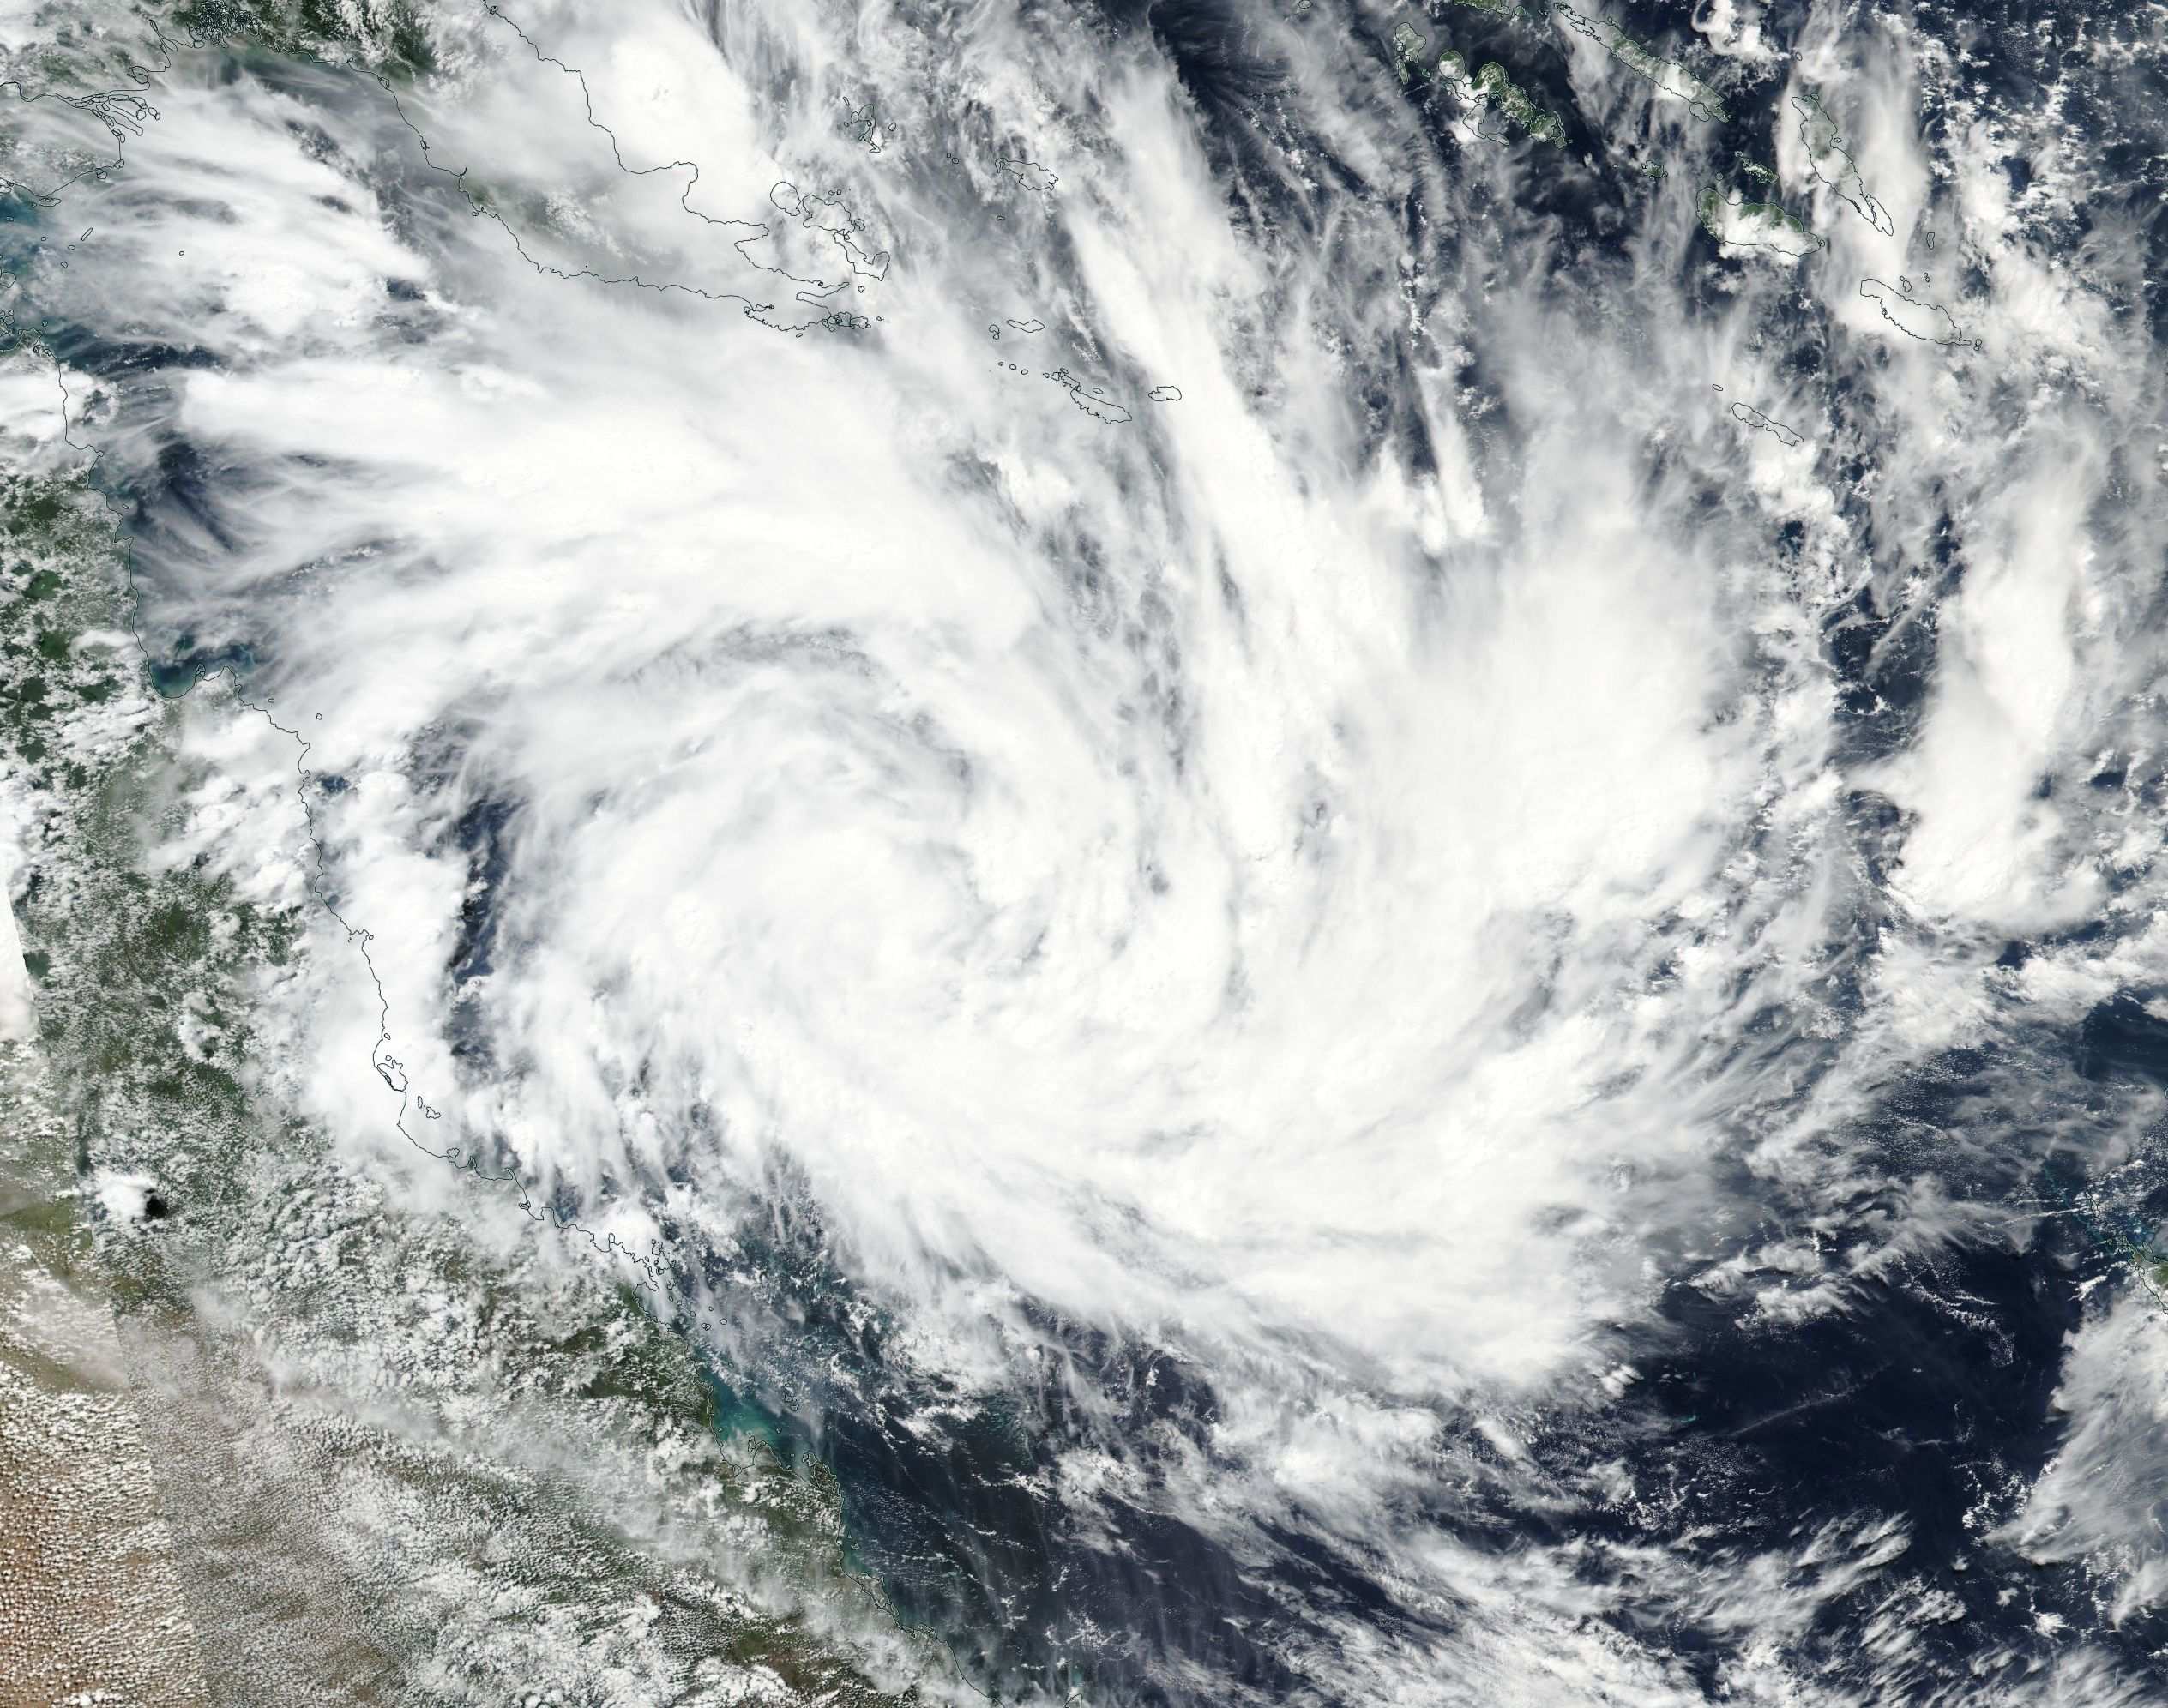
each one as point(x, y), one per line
point(1354, 960)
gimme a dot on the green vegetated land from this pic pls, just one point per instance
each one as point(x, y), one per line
point(1492, 84)
point(412, 1453)
point(388, 35)
point(1832, 163)
point(1737, 222)
point(1491, 88)
point(1637, 57)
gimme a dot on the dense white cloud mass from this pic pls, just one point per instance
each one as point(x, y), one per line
point(1397, 893)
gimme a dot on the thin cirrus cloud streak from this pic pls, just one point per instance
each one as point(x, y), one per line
point(1223, 875)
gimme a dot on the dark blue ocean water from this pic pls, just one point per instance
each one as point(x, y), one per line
point(1927, 1399)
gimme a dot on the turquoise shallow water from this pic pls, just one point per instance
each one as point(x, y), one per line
point(1839, 1375)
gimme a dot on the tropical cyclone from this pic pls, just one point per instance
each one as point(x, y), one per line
point(1058, 933)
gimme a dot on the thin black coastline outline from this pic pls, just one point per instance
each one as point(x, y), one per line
point(1713, 201)
point(1707, 105)
point(389, 1068)
point(759, 229)
point(1877, 297)
point(1494, 87)
point(30, 341)
point(1810, 108)
point(1763, 423)
point(653, 1266)
point(108, 108)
